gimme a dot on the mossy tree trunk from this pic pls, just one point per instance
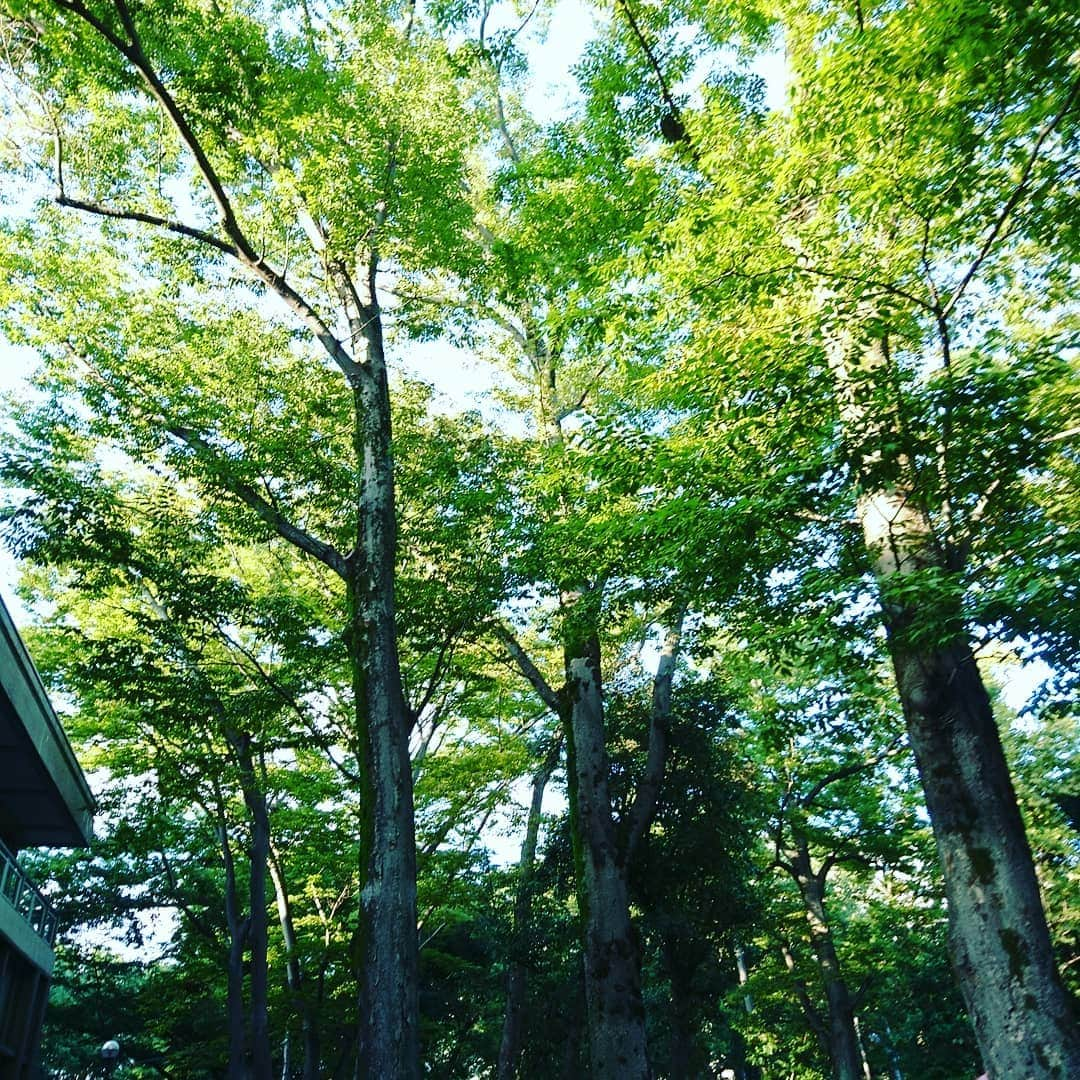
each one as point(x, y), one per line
point(616, 1013)
point(1025, 1023)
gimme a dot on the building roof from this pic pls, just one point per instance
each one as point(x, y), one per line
point(44, 798)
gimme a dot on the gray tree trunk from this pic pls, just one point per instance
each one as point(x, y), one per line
point(258, 858)
point(294, 976)
point(616, 1013)
point(1024, 1021)
point(389, 996)
point(234, 983)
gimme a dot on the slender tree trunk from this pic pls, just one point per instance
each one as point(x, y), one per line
point(1024, 1021)
point(572, 1049)
point(294, 977)
point(614, 1007)
point(516, 983)
point(234, 980)
point(743, 1068)
point(862, 1049)
point(389, 999)
point(258, 857)
point(895, 1072)
point(843, 1040)
point(616, 1013)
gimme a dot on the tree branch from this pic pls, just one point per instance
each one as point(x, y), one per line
point(325, 553)
point(648, 793)
point(242, 249)
point(168, 224)
point(528, 669)
point(442, 660)
point(823, 870)
point(650, 55)
point(811, 1013)
point(845, 771)
point(1013, 201)
point(196, 920)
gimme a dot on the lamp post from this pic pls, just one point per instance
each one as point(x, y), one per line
point(110, 1056)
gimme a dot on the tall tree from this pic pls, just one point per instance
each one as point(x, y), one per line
point(553, 220)
point(288, 159)
point(871, 224)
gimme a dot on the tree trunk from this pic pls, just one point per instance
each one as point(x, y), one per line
point(614, 1007)
point(843, 1041)
point(294, 976)
point(616, 1013)
point(516, 983)
point(1001, 951)
point(1024, 1021)
point(570, 1067)
point(389, 998)
point(234, 981)
point(744, 1070)
point(681, 958)
point(258, 857)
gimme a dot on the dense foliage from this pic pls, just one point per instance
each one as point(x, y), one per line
point(655, 684)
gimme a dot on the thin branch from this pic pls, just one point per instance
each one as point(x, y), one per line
point(242, 249)
point(924, 258)
point(1013, 201)
point(496, 68)
point(650, 55)
point(847, 770)
point(859, 996)
point(648, 793)
point(528, 669)
point(569, 410)
point(811, 1013)
point(286, 698)
point(1061, 436)
point(196, 920)
point(325, 553)
point(884, 286)
point(442, 660)
point(823, 870)
point(168, 224)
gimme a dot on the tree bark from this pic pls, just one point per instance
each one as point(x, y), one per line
point(517, 977)
point(843, 1040)
point(389, 996)
point(1024, 1021)
point(258, 857)
point(616, 1013)
point(234, 983)
point(294, 976)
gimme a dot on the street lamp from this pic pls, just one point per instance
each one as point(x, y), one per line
point(110, 1055)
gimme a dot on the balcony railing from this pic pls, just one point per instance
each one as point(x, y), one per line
point(23, 895)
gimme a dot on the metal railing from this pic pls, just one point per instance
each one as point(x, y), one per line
point(24, 897)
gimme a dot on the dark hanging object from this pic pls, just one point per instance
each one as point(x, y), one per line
point(671, 127)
